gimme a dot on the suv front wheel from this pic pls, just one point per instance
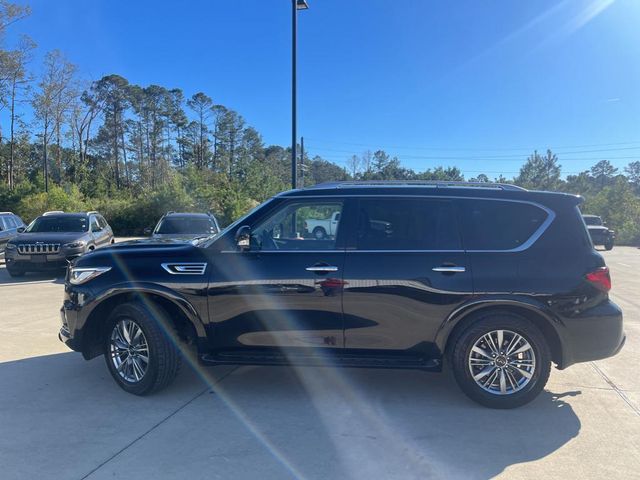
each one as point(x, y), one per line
point(501, 361)
point(140, 348)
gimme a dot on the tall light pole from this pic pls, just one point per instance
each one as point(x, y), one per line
point(295, 6)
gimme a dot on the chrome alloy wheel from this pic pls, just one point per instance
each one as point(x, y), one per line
point(129, 350)
point(502, 362)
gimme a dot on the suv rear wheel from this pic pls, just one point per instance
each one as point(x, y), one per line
point(501, 361)
point(141, 355)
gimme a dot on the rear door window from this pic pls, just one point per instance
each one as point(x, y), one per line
point(406, 224)
point(499, 225)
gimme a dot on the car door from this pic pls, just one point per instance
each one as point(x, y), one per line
point(405, 273)
point(286, 291)
point(107, 233)
point(94, 228)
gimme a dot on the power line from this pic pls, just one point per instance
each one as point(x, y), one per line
point(508, 157)
point(496, 149)
point(462, 159)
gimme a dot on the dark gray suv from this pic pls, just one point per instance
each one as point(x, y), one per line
point(9, 226)
point(51, 240)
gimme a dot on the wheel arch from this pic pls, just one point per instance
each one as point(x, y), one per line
point(463, 318)
point(183, 317)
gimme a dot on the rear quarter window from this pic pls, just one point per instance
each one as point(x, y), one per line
point(499, 225)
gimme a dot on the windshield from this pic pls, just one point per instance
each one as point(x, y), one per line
point(234, 224)
point(593, 220)
point(58, 224)
point(187, 226)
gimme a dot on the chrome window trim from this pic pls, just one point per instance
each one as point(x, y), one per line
point(406, 251)
point(284, 251)
point(530, 241)
point(174, 268)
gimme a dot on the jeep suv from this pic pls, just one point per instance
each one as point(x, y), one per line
point(495, 281)
point(53, 239)
point(10, 225)
point(600, 234)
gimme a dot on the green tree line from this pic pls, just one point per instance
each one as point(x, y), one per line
point(135, 151)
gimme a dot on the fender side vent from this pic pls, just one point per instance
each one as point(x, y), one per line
point(185, 268)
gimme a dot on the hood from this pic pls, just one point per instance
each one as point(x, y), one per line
point(598, 228)
point(48, 237)
point(137, 250)
point(184, 237)
point(149, 243)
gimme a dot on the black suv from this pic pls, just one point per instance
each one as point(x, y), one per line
point(185, 226)
point(495, 280)
point(53, 239)
point(600, 234)
point(10, 224)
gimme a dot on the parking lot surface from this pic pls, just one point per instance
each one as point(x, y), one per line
point(64, 418)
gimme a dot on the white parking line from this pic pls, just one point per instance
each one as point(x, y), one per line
point(26, 283)
point(624, 264)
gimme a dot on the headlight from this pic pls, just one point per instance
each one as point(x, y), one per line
point(10, 246)
point(79, 275)
point(78, 244)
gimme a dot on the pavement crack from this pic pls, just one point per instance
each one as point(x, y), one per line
point(618, 390)
point(140, 437)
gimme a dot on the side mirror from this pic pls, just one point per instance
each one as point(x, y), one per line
point(21, 229)
point(243, 238)
point(147, 231)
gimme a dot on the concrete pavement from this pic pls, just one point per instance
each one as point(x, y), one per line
point(62, 417)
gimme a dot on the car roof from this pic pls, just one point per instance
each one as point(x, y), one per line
point(188, 214)
point(68, 214)
point(434, 188)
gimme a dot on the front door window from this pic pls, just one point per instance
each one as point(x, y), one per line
point(299, 226)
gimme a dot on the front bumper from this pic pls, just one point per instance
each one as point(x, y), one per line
point(594, 334)
point(40, 262)
point(65, 336)
point(600, 238)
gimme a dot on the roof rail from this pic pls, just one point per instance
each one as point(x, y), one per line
point(93, 212)
point(6, 213)
point(52, 212)
point(421, 183)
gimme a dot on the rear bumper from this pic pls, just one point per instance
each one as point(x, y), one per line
point(594, 334)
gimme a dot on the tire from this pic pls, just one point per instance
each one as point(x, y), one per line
point(509, 387)
point(608, 245)
point(15, 272)
point(319, 233)
point(163, 355)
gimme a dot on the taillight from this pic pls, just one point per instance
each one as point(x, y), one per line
point(600, 279)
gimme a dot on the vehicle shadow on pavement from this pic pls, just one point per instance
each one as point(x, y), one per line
point(56, 276)
point(63, 417)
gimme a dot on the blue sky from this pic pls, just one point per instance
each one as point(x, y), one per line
point(477, 84)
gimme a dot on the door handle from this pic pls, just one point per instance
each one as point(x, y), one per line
point(449, 269)
point(322, 269)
